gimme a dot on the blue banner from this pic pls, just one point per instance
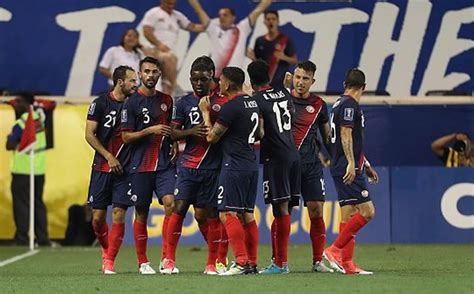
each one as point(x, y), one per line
point(432, 205)
point(405, 47)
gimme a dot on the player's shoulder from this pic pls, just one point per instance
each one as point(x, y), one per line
point(316, 99)
point(186, 99)
point(102, 98)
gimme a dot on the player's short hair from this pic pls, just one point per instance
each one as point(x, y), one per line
point(307, 66)
point(258, 72)
point(236, 77)
point(231, 10)
point(355, 78)
point(203, 63)
point(267, 12)
point(27, 96)
point(151, 60)
point(120, 73)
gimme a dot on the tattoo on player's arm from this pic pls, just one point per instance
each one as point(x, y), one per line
point(346, 140)
point(216, 133)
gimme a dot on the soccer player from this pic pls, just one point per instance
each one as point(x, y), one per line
point(145, 124)
point(237, 128)
point(347, 165)
point(227, 38)
point(311, 114)
point(280, 158)
point(109, 180)
point(198, 169)
point(275, 48)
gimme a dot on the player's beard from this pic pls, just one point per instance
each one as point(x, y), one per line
point(150, 84)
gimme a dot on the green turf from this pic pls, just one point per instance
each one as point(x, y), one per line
point(398, 269)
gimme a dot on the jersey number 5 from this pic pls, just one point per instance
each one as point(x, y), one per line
point(283, 119)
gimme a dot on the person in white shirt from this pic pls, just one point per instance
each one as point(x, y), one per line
point(161, 26)
point(227, 38)
point(129, 52)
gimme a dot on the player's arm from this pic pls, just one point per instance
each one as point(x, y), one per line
point(347, 146)
point(439, 144)
point(91, 138)
point(203, 17)
point(325, 131)
point(216, 133)
point(260, 129)
point(177, 133)
point(261, 7)
point(131, 136)
point(150, 36)
point(370, 172)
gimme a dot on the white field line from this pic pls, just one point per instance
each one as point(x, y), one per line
point(18, 258)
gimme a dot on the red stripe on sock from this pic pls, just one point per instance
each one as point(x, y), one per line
point(140, 235)
point(283, 224)
point(235, 231)
point(213, 238)
point(115, 240)
point(317, 234)
point(353, 226)
point(164, 241)
point(101, 231)
point(175, 226)
point(223, 246)
point(251, 241)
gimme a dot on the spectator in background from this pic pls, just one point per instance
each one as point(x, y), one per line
point(454, 150)
point(129, 52)
point(275, 48)
point(228, 40)
point(20, 170)
point(161, 27)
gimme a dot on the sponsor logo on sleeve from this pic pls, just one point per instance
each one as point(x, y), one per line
point(349, 114)
point(92, 109)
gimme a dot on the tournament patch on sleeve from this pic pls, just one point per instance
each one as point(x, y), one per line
point(92, 108)
point(124, 116)
point(349, 114)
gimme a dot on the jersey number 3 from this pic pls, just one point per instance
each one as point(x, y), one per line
point(283, 115)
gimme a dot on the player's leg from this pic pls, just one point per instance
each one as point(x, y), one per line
point(20, 195)
point(200, 215)
point(100, 197)
point(251, 240)
point(233, 188)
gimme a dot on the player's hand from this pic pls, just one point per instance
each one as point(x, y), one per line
point(163, 130)
point(288, 80)
point(247, 88)
point(350, 174)
point(174, 152)
point(204, 104)
point(251, 54)
point(115, 165)
point(279, 54)
point(200, 130)
point(372, 175)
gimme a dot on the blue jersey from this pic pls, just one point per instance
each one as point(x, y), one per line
point(276, 108)
point(198, 153)
point(265, 49)
point(105, 110)
point(346, 112)
point(310, 114)
point(240, 116)
point(151, 153)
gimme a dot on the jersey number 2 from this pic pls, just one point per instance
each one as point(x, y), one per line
point(253, 118)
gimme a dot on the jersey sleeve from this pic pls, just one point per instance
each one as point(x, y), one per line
point(178, 116)
point(128, 116)
point(150, 18)
point(289, 49)
point(183, 21)
point(15, 134)
point(227, 115)
point(348, 113)
point(96, 110)
point(323, 116)
point(107, 59)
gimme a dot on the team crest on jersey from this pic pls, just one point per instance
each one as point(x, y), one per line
point(310, 109)
point(164, 107)
point(124, 116)
point(216, 107)
point(349, 114)
point(365, 193)
point(92, 109)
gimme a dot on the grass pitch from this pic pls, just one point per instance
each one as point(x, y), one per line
point(398, 269)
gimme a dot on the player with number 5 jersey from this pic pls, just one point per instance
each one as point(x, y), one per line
point(280, 158)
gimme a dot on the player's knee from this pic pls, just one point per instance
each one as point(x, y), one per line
point(180, 208)
point(118, 215)
point(315, 208)
point(368, 213)
point(201, 218)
